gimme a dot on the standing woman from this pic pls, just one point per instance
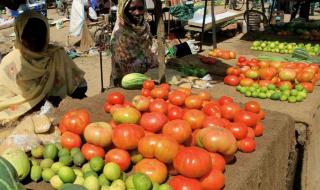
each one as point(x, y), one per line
point(36, 70)
point(131, 41)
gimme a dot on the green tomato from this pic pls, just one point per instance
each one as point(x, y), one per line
point(251, 88)
point(271, 87)
point(263, 89)
point(275, 96)
point(286, 92)
point(269, 93)
point(248, 94)
point(243, 90)
point(283, 97)
point(238, 88)
point(294, 92)
point(255, 94)
point(303, 94)
point(292, 99)
point(284, 87)
point(299, 98)
point(255, 85)
point(262, 95)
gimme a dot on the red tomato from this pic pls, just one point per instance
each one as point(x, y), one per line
point(107, 107)
point(261, 115)
point(229, 110)
point(233, 71)
point(225, 99)
point(162, 147)
point(98, 133)
point(267, 73)
point(187, 91)
point(62, 128)
point(248, 118)
point(308, 86)
point(212, 109)
point(70, 140)
point(148, 84)
point(258, 129)
point(192, 140)
point(156, 170)
point(158, 92)
point(231, 80)
point(212, 121)
point(264, 83)
point(159, 105)
point(75, 120)
point(242, 59)
point(177, 98)
point(239, 130)
point(175, 112)
point(246, 82)
point(127, 136)
point(252, 106)
point(193, 162)
point(89, 151)
point(166, 149)
point(153, 121)
point(145, 92)
point(127, 104)
point(305, 76)
point(141, 103)
point(251, 133)
point(179, 129)
point(232, 54)
point(165, 86)
point(115, 98)
point(247, 145)
point(218, 161)
point(204, 95)
point(113, 123)
point(193, 102)
point(195, 118)
point(184, 183)
point(217, 139)
point(147, 145)
point(213, 181)
point(120, 157)
point(264, 64)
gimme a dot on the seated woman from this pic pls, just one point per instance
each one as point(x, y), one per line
point(35, 70)
point(131, 41)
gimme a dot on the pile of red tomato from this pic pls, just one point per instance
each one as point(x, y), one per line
point(223, 54)
point(170, 135)
point(248, 72)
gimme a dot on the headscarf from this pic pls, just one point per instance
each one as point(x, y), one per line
point(130, 45)
point(27, 77)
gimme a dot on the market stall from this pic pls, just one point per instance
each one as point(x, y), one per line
point(258, 169)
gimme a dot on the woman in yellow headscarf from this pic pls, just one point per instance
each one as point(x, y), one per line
point(131, 41)
point(35, 69)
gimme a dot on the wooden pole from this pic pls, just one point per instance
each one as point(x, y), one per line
point(203, 23)
point(247, 20)
point(160, 40)
point(214, 36)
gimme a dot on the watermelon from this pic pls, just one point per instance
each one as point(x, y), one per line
point(9, 177)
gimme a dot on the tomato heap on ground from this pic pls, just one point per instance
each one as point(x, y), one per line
point(285, 81)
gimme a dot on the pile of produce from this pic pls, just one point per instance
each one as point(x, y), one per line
point(223, 54)
point(285, 81)
point(306, 30)
point(165, 140)
point(207, 60)
point(284, 47)
point(191, 70)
